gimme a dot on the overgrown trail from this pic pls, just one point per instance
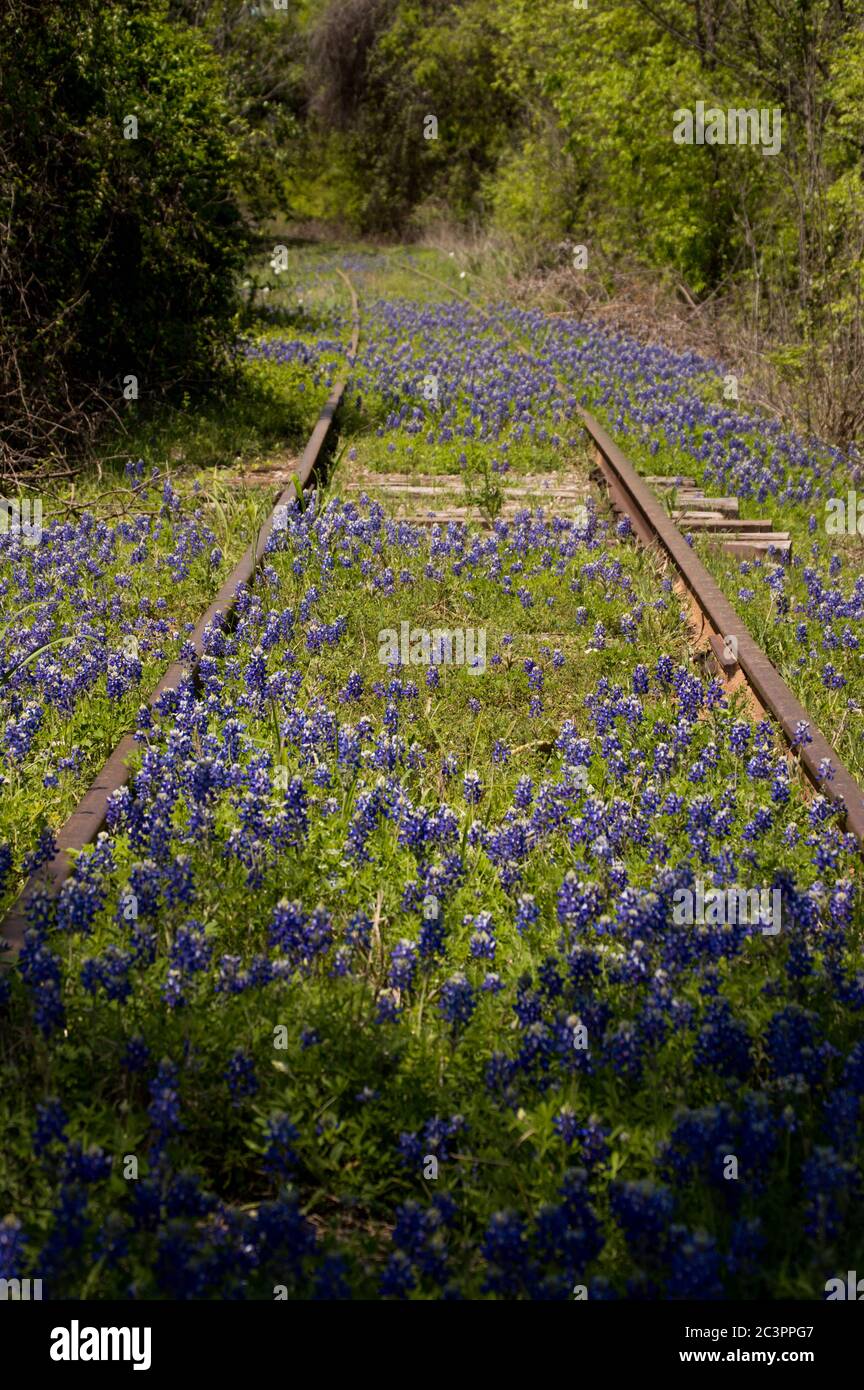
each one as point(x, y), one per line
point(458, 934)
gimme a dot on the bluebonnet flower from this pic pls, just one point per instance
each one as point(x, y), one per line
point(85, 1165)
point(433, 1139)
point(190, 950)
point(523, 793)
point(40, 970)
point(695, 1268)
point(723, 1043)
point(403, 965)
point(643, 1210)
point(472, 788)
point(505, 1250)
point(51, 1122)
point(626, 1051)
point(853, 1071)
point(13, 1244)
point(482, 943)
point(332, 1279)
point(791, 1044)
point(44, 849)
point(432, 932)
point(70, 1223)
point(164, 1109)
point(578, 902)
point(566, 1124)
point(110, 971)
point(280, 1158)
point(136, 1055)
point(240, 1075)
point(841, 1121)
point(353, 687)
point(527, 912)
point(5, 864)
point(358, 932)
point(387, 1006)
point(457, 1001)
point(832, 1185)
point(398, 1278)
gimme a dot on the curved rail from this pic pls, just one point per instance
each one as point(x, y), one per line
point(89, 816)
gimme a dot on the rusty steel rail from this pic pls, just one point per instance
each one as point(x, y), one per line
point(89, 816)
point(652, 525)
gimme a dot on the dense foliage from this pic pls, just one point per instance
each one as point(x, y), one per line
point(555, 122)
point(544, 123)
point(262, 51)
point(120, 232)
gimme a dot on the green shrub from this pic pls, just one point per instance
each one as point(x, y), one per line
point(119, 247)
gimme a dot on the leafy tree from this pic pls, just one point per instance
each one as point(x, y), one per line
point(381, 71)
point(263, 53)
point(120, 233)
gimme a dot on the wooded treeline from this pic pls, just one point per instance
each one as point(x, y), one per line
point(553, 123)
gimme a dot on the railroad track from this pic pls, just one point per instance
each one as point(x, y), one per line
point(731, 642)
point(734, 650)
point(90, 815)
